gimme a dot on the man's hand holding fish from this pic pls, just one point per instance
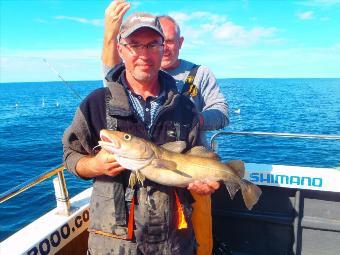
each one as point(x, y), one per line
point(102, 163)
point(203, 187)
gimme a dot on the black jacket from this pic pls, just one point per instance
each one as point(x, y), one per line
point(155, 231)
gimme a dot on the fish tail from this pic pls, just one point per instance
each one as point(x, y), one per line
point(250, 193)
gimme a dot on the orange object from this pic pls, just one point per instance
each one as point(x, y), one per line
point(181, 221)
point(202, 223)
point(131, 220)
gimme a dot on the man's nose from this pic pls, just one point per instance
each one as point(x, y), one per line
point(166, 46)
point(144, 51)
point(145, 55)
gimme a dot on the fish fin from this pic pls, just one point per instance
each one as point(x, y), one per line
point(250, 193)
point(178, 146)
point(201, 151)
point(232, 188)
point(140, 177)
point(162, 163)
point(132, 180)
point(237, 166)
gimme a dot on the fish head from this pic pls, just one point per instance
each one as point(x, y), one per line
point(131, 152)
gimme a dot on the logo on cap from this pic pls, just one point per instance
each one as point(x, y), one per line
point(137, 21)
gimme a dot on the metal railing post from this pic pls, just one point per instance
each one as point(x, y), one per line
point(61, 194)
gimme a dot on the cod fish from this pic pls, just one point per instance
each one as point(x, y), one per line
point(168, 166)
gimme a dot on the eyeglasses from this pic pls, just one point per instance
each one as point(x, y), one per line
point(170, 42)
point(137, 48)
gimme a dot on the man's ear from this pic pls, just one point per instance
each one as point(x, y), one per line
point(181, 40)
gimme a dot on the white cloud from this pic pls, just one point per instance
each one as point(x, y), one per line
point(212, 18)
point(94, 22)
point(72, 64)
point(200, 28)
point(319, 3)
point(51, 54)
point(306, 15)
point(273, 62)
point(237, 35)
point(328, 2)
point(180, 17)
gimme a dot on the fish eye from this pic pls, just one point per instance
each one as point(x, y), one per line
point(127, 137)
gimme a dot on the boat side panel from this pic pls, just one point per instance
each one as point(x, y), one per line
point(78, 246)
point(266, 229)
point(285, 221)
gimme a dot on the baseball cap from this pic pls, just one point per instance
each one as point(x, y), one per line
point(139, 20)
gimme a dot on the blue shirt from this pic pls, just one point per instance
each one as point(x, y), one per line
point(147, 109)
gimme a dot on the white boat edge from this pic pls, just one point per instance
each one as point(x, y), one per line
point(51, 232)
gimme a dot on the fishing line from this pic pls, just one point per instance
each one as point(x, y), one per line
point(62, 79)
point(95, 149)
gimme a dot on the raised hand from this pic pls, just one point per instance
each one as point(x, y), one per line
point(114, 15)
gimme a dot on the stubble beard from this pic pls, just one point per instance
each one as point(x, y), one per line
point(142, 76)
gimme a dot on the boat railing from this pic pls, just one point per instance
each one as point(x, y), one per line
point(271, 134)
point(61, 193)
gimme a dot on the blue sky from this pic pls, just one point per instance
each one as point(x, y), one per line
point(234, 38)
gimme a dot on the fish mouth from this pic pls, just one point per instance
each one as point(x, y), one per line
point(109, 146)
point(108, 143)
point(107, 139)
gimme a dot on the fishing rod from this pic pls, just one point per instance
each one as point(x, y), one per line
point(62, 79)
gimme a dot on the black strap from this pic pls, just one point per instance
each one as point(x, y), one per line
point(189, 89)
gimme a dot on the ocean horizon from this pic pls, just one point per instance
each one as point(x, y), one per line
point(218, 78)
point(34, 115)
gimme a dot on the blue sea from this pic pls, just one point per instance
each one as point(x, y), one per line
point(33, 117)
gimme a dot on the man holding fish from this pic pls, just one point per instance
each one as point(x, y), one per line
point(144, 217)
point(198, 83)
